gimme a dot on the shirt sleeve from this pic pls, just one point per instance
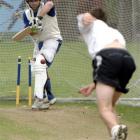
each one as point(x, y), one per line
point(26, 21)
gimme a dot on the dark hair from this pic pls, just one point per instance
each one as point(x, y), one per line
point(99, 14)
point(29, 0)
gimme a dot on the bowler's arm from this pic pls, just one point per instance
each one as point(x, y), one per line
point(85, 21)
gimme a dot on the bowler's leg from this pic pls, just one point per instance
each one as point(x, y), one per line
point(105, 95)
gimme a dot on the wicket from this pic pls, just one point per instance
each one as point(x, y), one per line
point(29, 81)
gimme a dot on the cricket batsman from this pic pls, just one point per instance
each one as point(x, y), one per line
point(41, 16)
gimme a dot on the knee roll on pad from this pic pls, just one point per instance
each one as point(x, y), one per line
point(40, 63)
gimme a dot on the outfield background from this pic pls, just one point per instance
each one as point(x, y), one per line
point(72, 66)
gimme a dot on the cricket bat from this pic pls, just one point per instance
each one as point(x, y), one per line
point(22, 33)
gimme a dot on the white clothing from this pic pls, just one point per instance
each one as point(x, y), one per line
point(49, 49)
point(49, 35)
point(46, 42)
point(98, 34)
point(40, 71)
point(49, 24)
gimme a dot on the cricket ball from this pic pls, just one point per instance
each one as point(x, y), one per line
point(42, 61)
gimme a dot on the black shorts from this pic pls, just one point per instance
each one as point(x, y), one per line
point(113, 67)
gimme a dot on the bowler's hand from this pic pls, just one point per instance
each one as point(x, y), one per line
point(87, 90)
point(87, 19)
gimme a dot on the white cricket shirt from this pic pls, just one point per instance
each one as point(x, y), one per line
point(98, 34)
point(49, 24)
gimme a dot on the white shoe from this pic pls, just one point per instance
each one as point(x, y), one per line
point(40, 105)
point(52, 101)
point(119, 132)
point(45, 100)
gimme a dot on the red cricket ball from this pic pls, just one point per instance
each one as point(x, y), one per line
point(42, 61)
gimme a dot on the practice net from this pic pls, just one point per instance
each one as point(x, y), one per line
point(71, 68)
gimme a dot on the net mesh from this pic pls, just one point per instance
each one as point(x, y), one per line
point(72, 66)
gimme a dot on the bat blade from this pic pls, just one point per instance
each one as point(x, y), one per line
point(21, 34)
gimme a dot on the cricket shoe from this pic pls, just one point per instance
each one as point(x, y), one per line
point(52, 101)
point(40, 105)
point(45, 100)
point(119, 132)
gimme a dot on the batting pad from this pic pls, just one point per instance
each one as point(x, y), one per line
point(40, 72)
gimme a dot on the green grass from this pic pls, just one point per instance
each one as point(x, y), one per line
point(131, 114)
point(70, 69)
point(19, 131)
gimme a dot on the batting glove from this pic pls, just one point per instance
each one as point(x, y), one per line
point(37, 23)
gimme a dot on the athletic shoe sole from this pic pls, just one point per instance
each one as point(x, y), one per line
point(122, 133)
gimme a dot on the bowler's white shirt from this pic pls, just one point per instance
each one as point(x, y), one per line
point(98, 34)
